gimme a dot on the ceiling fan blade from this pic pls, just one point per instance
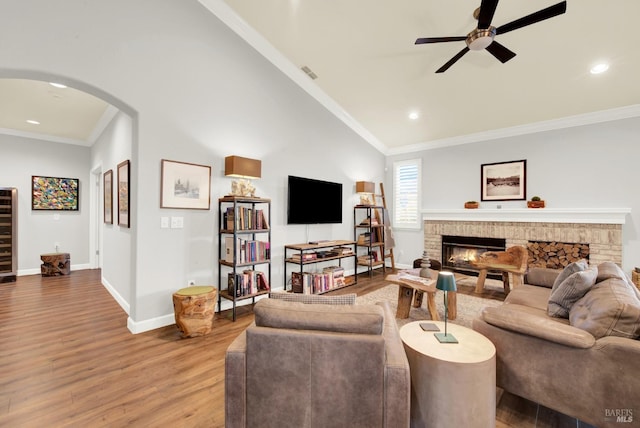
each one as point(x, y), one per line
point(500, 52)
point(487, 9)
point(439, 39)
point(541, 15)
point(453, 60)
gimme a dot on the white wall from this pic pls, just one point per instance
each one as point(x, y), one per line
point(111, 148)
point(39, 231)
point(592, 166)
point(195, 93)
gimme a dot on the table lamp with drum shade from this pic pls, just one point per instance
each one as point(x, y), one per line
point(245, 169)
point(446, 282)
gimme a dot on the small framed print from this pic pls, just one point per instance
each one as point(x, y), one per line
point(124, 214)
point(185, 185)
point(108, 196)
point(504, 181)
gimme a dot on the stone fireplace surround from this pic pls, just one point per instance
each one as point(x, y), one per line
point(600, 228)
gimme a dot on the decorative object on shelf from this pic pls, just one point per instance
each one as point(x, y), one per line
point(244, 169)
point(185, 185)
point(446, 282)
point(504, 181)
point(123, 194)
point(471, 205)
point(365, 189)
point(535, 202)
point(55, 193)
point(108, 196)
point(425, 265)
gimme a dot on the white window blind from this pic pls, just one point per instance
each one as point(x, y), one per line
point(407, 176)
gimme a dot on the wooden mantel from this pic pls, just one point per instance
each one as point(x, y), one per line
point(535, 215)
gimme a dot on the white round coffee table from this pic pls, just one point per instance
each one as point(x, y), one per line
point(452, 384)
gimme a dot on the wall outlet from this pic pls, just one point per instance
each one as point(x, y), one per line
point(57, 247)
point(191, 282)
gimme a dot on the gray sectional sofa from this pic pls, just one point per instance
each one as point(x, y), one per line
point(586, 365)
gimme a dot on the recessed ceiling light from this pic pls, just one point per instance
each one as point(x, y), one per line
point(599, 68)
point(33, 122)
point(57, 85)
point(414, 115)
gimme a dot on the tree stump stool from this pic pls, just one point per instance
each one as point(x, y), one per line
point(55, 264)
point(194, 308)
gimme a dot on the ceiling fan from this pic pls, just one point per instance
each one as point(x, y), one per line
point(483, 36)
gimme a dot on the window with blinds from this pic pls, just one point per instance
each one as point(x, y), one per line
point(407, 176)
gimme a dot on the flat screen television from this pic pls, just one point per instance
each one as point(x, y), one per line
point(313, 201)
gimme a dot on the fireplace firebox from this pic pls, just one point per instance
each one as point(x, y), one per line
point(459, 253)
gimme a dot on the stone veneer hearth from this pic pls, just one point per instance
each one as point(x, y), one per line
point(601, 229)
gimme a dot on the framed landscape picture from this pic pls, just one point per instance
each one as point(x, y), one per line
point(185, 185)
point(55, 193)
point(504, 181)
point(108, 197)
point(123, 194)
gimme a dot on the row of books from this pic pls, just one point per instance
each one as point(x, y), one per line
point(246, 219)
point(317, 282)
point(246, 251)
point(309, 256)
point(247, 282)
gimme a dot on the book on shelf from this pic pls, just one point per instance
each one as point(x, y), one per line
point(247, 282)
point(246, 251)
point(317, 282)
point(364, 238)
point(344, 251)
point(304, 256)
point(246, 219)
point(369, 222)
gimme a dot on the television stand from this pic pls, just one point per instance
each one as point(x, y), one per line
point(319, 252)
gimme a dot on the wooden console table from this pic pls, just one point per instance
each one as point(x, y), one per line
point(54, 264)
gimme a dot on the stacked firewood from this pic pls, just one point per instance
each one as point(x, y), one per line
point(556, 255)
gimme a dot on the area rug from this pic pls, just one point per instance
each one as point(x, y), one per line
point(469, 307)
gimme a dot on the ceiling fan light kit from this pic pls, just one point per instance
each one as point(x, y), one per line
point(483, 36)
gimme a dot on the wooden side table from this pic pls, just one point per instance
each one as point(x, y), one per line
point(54, 264)
point(406, 289)
point(194, 308)
point(452, 384)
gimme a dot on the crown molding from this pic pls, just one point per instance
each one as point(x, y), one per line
point(531, 128)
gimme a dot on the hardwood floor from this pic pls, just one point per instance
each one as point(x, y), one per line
point(68, 360)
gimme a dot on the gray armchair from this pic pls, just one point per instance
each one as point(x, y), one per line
point(316, 365)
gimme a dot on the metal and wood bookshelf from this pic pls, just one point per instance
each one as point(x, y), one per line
point(306, 255)
point(244, 248)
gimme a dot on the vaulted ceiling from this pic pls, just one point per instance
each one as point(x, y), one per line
point(364, 55)
point(372, 75)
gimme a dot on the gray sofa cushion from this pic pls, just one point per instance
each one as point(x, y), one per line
point(566, 293)
point(543, 277)
point(345, 299)
point(362, 319)
point(610, 308)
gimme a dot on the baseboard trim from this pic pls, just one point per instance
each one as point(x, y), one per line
point(116, 296)
point(38, 271)
point(136, 327)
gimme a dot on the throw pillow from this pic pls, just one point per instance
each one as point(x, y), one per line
point(572, 268)
point(345, 299)
point(569, 291)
